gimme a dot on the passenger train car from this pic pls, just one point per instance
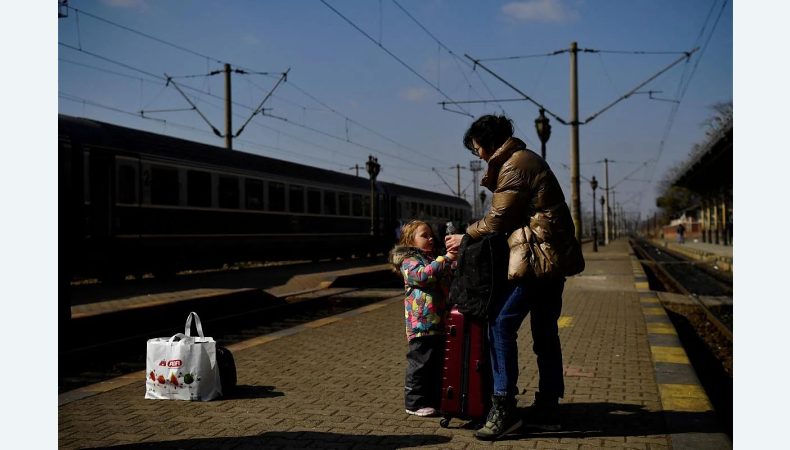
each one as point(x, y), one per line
point(133, 202)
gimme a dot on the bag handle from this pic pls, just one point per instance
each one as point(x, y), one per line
point(188, 326)
point(180, 336)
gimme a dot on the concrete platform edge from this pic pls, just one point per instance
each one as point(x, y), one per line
point(671, 363)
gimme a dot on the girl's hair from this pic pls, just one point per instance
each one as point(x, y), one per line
point(490, 132)
point(408, 231)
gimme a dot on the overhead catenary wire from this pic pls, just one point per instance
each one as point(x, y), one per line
point(456, 58)
point(686, 82)
point(394, 56)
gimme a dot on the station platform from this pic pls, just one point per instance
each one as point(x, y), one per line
point(338, 383)
point(720, 255)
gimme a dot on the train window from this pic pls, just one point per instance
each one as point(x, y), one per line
point(330, 202)
point(127, 184)
point(314, 201)
point(296, 198)
point(228, 188)
point(164, 186)
point(276, 196)
point(433, 211)
point(198, 188)
point(446, 212)
point(253, 193)
point(398, 209)
point(366, 206)
point(356, 205)
point(343, 200)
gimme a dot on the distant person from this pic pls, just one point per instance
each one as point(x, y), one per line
point(681, 230)
point(427, 282)
point(525, 192)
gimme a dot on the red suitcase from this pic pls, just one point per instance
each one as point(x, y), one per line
point(466, 375)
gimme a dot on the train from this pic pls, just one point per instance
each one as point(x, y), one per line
point(132, 202)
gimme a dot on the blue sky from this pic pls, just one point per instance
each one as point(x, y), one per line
point(346, 97)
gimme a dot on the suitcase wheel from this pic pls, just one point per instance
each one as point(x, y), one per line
point(445, 422)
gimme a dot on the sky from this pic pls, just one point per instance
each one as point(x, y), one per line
point(366, 78)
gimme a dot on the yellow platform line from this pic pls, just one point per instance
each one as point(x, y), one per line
point(650, 311)
point(661, 328)
point(669, 355)
point(565, 322)
point(684, 397)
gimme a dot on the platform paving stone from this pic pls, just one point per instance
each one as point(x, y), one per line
point(340, 385)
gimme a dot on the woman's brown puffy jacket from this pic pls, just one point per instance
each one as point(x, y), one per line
point(526, 192)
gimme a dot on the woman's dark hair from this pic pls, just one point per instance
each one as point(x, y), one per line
point(489, 131)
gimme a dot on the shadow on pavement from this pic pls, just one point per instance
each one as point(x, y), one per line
point(295, 439)
point(248, 391)
point(584, 420)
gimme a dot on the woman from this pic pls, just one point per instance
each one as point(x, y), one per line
point(527, 201)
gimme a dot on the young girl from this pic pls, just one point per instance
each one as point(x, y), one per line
point(427, 281)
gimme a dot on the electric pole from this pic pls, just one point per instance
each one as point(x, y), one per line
point(475, 167)
point(606, 216)
point(458, 179)
point(575, 200)
point(228, 115)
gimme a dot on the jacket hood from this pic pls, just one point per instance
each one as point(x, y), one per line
point(401, 252)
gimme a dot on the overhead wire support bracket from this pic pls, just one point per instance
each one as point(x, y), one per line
point(686, 56)
point(457, 194)
point(259, 109)
point(175, 85)
point(526, 97)
point(650, 96)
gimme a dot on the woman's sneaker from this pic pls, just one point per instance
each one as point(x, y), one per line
point(503, 419)
point(422, 412)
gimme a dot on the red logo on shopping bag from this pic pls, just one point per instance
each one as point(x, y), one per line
point(171, 363)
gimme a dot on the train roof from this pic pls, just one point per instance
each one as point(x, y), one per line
point(101, 133)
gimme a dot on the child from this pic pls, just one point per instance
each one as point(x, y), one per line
point(427, 281)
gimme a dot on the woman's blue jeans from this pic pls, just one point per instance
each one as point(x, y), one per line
point(544, 300)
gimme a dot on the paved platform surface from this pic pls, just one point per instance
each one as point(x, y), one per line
point(338, 383)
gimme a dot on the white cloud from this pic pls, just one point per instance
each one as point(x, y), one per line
point(540, 11)
point(414, 94)
point(126, 3)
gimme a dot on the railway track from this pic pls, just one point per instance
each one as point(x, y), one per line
point(708, 290)
point(109, 354)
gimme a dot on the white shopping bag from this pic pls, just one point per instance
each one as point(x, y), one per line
point(182, 367)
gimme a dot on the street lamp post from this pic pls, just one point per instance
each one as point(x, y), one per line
point(544, 131)
point(594, 186)
point(373, 167)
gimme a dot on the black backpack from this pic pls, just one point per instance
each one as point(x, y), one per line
point(481, 274)
point(227, 370)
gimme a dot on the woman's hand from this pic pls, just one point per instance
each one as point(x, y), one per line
point(453, 242)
